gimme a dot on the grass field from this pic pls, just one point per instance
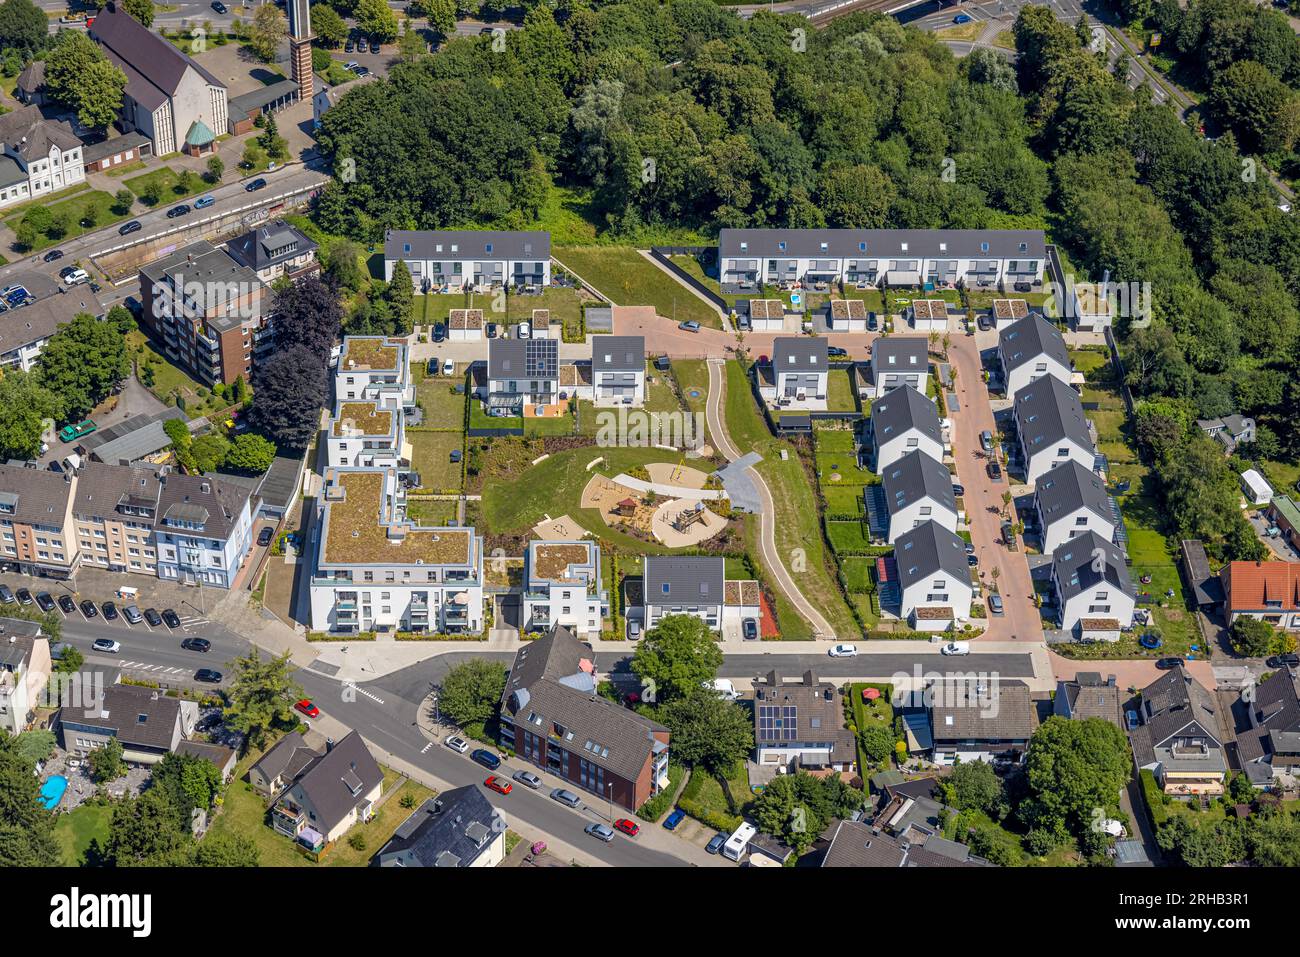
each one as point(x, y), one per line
point(95, 204)
point(169, 183)
point(629, 279)
point(693, 377)
point(431, 457)
point(443, 408)
point(431, 511)
point(170, 380)
point(840, 394)
point(76, 829)
point(798, 538)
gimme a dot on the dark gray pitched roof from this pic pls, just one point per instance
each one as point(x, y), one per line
point(287, 757)
point(103, 489)
point(336, 782)
point(523, 359)
point(984, 709)
point(917, 476)
point(450, 830)
point(1177, 700)
point(887, 243)
point(689, 579)
point(121, 709)
point(910, 353)
point(1086, 561)
point(34, 497)
point(153, 67)
point(268, 245)
point(901, 410)
point(31, 135)
point(113, 145)
point(1069, 487)
point(40, 320)
point(1048, 411)
point(218, 754)
point(1025, 340)
point(209, 502)
point(817, 715)
point(552, 685)
point(1088, 696)
point(927, 549)
point(618, 354)
point(856, 844)
point(799, 354)
point(246, 104)
point(469, 243)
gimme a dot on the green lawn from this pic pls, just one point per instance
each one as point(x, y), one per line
point(170, 382)
point(630, 279)
point(840, 394)
point(693, 377)
point(541, 427)
point(79, 206)
point(168, 181)
point(717, 802)
point(843, 499)
point(431, 511)
point(478, 419)
point(659, 398)
point(77, 828)
point(443, 408)
point(798, 538)
point(431, 457)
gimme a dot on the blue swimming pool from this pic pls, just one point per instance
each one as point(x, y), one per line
point(52, 791)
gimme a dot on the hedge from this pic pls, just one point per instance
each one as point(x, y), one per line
point(657, 806)
point(437, 636)
point(329, 636)
point(1153, 797)
point(708, 816)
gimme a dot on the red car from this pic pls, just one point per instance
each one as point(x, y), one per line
point(630, 828)
point(498, 785)
point(307, 708)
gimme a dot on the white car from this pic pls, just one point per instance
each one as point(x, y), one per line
point(525, 331)
point(75, 277)
point(844, 651)
point(459, 745)
point(448, 367)
point(955, 648)
point(106, 646)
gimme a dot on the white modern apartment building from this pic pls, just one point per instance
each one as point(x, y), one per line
point(366, 434)
point(562, 586)
point(374, 367)
point(203, 530)
point(453, 260)
point(377, 570)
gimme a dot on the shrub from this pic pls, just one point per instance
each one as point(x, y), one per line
point(357, 842)
point(1153, 798)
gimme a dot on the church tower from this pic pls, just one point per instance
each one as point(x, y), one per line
point(300, 47)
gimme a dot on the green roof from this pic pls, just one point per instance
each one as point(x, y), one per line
point(199, 134)
point(1288, 509)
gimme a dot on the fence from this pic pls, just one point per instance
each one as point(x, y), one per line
point(663, 254)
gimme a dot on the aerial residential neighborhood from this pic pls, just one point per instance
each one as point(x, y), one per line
point(612, 434)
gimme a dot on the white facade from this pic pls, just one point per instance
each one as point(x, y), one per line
point(372, 367)
point(49, 173)
point(368, 434)
point(1025, 373)
point(941, 589)
point(1061, 528)
point(899, 445)
point(912, 514)
point(563, 587)
point(186, 554)
point(1044, 459)
point(1103, 601)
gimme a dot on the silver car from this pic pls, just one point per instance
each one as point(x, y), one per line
point(528, 779)
point(133, 614)
point(566, 797)
point(602, 832)
point(459, 745)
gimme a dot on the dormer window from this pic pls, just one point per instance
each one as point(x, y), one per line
point(488, 249)
point(744, 247)
point(781, 245)
point(824, 247)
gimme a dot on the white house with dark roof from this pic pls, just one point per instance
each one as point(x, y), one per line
point(1179, 739)
point(273, 250)
point(799, 374)
point(458, 828)
point(1094, 594)
point(169, 97)
point(618, 370)
point(40, 156)
point(1030, 349)
point(522, 375)
point(25, 669)
point(146, 722)
point(451, 260)
point(980, 719)
point(933, 579)
point(902, 422)
point(563, 586)
point(1070, 500)
point(913, 490)
point(374, 367)
point(333, 792)
point(898, 361)
point(696, 585)
point(1051, 428)
point(203, 530)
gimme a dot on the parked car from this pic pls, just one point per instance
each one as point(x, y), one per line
point(961, 18)
point(986, 440)
point(24, 596)
point(152, 617)
point(177, 211)
point(630, 828)
point(994, 470)
point(486, 758)
point(872, 325)
point(995, 604)
point(6, 596)
point(1131, 719)
point(203, 202)
point(844, 651)
point(127, 228)
point(836, 352)
point(1289, 660)
point(1165, 664)
point(715, 843)
point(305, 706)
point(67, 604)
point(172, 619)
point(208, 675)
point(491, 330)
point(690, 325)
point(350, 45)
point(133, 615)
point(567, 798)
point(601, 832)
point(958, 490)
point(106, 646)
point(672, 820)
point(218, 7)
point(45, 601)
point(633, 629)
point(972, 560)
point(265, 535)
point(53, 255)
point(749, 629)
point(955, 648)
point(197, 644)
point(500, 785)
point(88, 609)
point(524, 330)
point(528, 779)
point(374, 46)
point(109, 610)
point(457, 744)
point(255, 185)
point(70, 432)
point(76, 277)
point(448, 367)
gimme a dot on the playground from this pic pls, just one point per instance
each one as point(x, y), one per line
point(680, 522)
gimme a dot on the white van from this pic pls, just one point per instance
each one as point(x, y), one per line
point(724, 687)
point(72, 462)
point(735, 847)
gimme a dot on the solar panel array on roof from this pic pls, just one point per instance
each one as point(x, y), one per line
point(777, 722)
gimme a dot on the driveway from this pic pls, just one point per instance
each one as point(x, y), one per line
point(983, 502)
point(663, 337)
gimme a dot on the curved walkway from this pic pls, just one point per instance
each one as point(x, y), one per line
point(767, 516)
point(672, 491)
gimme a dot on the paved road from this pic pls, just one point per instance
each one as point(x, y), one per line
point(767, 518)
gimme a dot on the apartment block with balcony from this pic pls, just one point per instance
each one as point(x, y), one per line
point(203, 529)
point(552, 717)
point(452, 260)
point(113, 512)
point(366, 434)
point(562, 586)
point(377, 570)
point(374, 368)
point(25, 669)
point(275, 250)
point(36, 536)
point(206, 312)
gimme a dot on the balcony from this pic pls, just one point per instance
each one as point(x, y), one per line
point(288, 818)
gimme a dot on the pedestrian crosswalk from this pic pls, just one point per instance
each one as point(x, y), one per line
point(154, 669)
point(369, 694)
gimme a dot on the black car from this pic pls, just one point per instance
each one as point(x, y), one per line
point(1164, 664)
point(67, 604)
point(972, 560)
point(208, 675)
point(439, 332)
point(374, 46)
point(132, 227)
point(749, 629)
point(171, 618)
point(486, 758)
point(715, 843)
point(1289, 660)
point(491, 330)
point(6, 596)
point(872, 322)
point(151, 615)
point(995, 471)
point(1008, 533)
point(52, 255)
point(197, 644)
point(24, 596)
point(45, 602)
point(182, 210)
point(218, 6)
point(255, 185)
point(350, 45)
point(835, 352)
point(958, 490)
point(88, 608)
point(67, 271)
point(265, 535)
point(109, 610)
